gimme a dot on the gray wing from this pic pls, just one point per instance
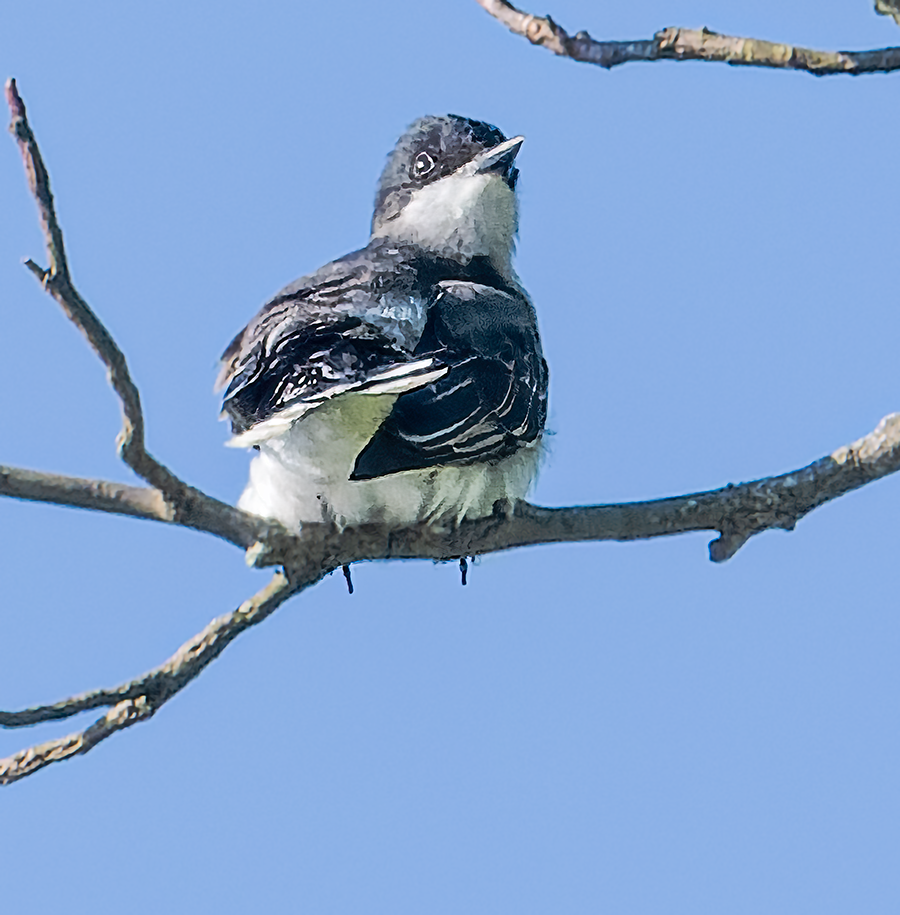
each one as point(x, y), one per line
point(491, 402)
point(324, 335)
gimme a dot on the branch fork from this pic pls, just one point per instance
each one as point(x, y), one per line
point(304, 558)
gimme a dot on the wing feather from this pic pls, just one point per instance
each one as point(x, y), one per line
point(491, 402)
point(321, 337)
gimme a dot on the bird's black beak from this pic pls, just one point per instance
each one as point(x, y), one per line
point(499, 159)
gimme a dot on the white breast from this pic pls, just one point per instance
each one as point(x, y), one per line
point(304, 475)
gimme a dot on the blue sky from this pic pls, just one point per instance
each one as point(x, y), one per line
point(598, 727)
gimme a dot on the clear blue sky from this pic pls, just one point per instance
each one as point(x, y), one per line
point(594, 728)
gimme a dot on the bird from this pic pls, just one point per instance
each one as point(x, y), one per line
point(404, 382)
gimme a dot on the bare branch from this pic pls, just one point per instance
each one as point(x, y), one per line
point(140, 699)
point(689, 44)
point(202, 514)
point(77, 492)
point(186, 505)
point(736, 512)
point(57, 281)
point(27, 762)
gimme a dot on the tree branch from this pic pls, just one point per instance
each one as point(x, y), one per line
point(57, 281)
point(736, 512)
point(141, 698)
point(202, 514)
point(77, 492)
point(689, 44)
point(183, 504)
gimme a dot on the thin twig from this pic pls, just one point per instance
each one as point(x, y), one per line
point(689, 44)
point(57, 281)
point(27, 762)
point(141, 698)
point(180, 499)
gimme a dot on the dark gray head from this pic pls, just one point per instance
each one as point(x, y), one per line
point(449, 187)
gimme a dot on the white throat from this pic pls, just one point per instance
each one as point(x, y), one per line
point(461, 216)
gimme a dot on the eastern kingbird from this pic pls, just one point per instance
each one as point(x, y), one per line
point(403, 382)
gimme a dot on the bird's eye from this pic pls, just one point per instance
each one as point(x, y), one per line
point(422, 165)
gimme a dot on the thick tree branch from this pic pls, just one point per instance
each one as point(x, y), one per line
point(736, 512)
point(141, 698)
point(689, 44)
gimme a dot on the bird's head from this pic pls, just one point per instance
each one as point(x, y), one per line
point(449, 187)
